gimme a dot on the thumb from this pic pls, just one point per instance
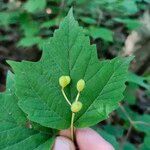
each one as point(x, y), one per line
point(91, 139)
point(63, 143)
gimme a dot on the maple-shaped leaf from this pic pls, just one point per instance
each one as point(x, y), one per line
point(14, 131)
point(69, 52)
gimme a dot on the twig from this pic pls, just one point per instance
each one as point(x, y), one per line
point(141, 122)
point(132, 123)
point(129, 118)
point(126, 137)
point(126, 114)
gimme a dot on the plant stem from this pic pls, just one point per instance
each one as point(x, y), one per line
point(132, 122)
point(72, 119)
point(125, 137)
point(62, 90)
point(126, 114)
point(72, 127)
point(141, 122)
point(73, 114)
point(77, 97)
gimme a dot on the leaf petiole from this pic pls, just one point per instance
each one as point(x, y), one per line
point(72, 126)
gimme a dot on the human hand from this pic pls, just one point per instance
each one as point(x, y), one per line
point(87, 139)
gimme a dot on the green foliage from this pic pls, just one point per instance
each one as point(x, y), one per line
point(131, 24)
point(16, 132)
point(125, 7)
point(50, 23)
point(8, 18)
point(142, 122)
point(103, 33)
point(130, 6)
point(116, 130)
point(65, 54)
point(139, 80)
point(88, 20)
point(128, 146)
point(145, 145)
point(33, 6)
point(130, 92)
point(29, 41)
point(143, 127)
point(28, 25)
point(27, 17)
point(148, 1)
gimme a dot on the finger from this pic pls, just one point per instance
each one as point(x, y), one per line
point(62, 143)
point(65, 133)
point(88, 138)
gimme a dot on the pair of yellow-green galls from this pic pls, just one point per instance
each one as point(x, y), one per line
point(64, 81)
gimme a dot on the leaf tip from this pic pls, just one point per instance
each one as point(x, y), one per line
point(10, 62)
point(70, 13)
point(131, 57)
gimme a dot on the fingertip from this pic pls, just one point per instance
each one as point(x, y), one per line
point(63, 143)
point(89, 138)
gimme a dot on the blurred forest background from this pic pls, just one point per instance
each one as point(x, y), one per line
point(117, 27)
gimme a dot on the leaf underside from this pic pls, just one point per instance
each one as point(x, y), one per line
point(69, 52)
point(14, 134)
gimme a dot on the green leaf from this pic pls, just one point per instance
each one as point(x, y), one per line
point(144, 126)
point(34, 6)
point(69, 53)
point(29, 27)
point(130, 92)
point(14, 134)
point(130, 6)
point(139, 80)
point(8, 18)
point(49, 24)
point(148, 1)
point(29, 41)
point(42, 43)
point(142, 122)
point(146, 145)
point(131, 24)
point(88, 20)
point(114, 130)
point(128, 146)
point(103, 33)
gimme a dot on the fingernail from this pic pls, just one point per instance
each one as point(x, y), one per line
point(63, 143)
